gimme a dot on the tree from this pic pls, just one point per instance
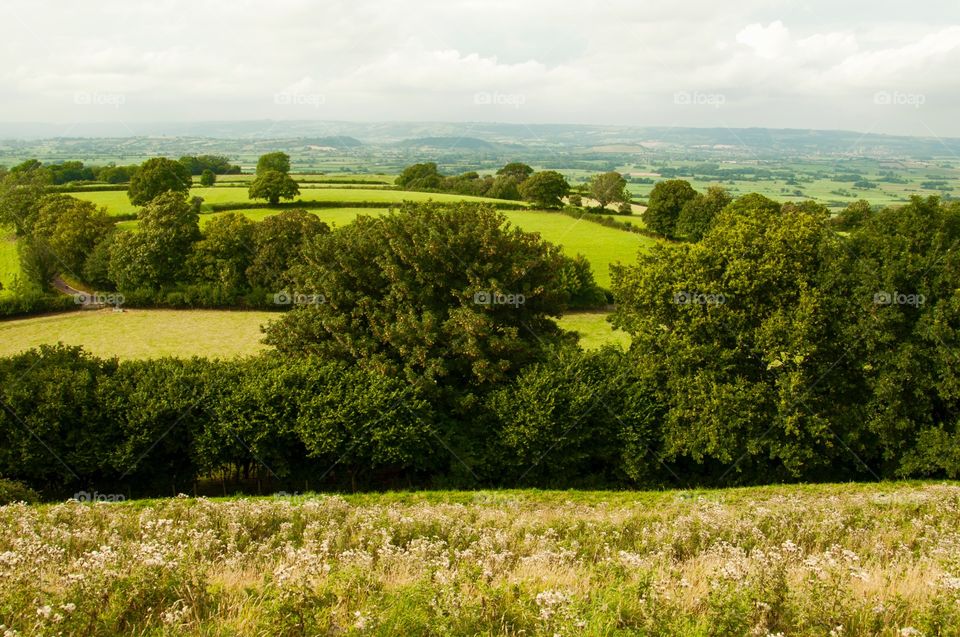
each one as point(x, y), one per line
point(279, 162)
point(441, 297)
point(854, 215)
point(225, 252)
point(208, 178)
point(278, 242)
point(516, 170)
point(157, 176)
point(504, 187)
point(740, 332)
point(575, 200)
point(155, 255)
point(21, 190)
point(698, 213)
point(666, 201)
point(70, 228)
point(423, 176)
point(273, 185)
point(905, 263)
point(546, 189)
point(609, 187)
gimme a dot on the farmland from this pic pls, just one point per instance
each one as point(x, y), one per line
point(117, 203)
point(142, 333)
point(851, 560)
point(9, 263)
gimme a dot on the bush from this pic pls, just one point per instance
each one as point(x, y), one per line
point(11, 491)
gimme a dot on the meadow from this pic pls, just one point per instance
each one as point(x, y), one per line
point(117, 203)
point(143, 333)
point(851, 560)
point(9, 261)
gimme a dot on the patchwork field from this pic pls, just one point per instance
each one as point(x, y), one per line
point(852, 560)
point(137, 334)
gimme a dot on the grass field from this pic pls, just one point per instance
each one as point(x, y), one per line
point(117, 203)
point(805, 561)
point(141, 333)
point(9, 261)
point(135, 333)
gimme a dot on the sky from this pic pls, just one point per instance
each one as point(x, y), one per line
point(870, 66)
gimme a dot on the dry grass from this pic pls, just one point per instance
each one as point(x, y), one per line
point(823, 560)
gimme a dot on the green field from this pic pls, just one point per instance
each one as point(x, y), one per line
point(9, 261)
point(141, 333)
point(136, 334)
point(875, 559)
point(117, 203)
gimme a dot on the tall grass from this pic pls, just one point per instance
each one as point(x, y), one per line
point(830, 560)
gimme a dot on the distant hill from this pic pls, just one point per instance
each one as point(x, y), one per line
point(459, 143)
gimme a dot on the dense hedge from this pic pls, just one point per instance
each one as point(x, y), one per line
point(24, 305)
point(74, 423)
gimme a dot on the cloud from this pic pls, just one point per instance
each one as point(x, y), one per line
point(610, 62)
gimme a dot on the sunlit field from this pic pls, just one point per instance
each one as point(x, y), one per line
point(141, 333)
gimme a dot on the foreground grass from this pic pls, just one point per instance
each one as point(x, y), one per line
point(138, 334)
point(825, 560)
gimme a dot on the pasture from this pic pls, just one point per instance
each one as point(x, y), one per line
point(117, 203)
point(142, 333)
point(9, 260)
point(844, 559)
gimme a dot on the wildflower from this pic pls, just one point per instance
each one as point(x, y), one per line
point(909, 631)
point(45, 611)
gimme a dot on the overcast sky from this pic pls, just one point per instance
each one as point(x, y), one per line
point(872, 66)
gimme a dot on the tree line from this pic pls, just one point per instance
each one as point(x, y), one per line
point(774, 349)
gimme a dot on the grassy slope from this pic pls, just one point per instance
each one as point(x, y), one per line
point(212, 333)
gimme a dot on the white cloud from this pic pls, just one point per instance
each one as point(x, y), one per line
point(616, 61)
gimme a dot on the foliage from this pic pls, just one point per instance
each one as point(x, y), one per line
point(156, 177)
point(698, 213)
point(609, 187)
point(70, 228)
point(546, 188)
point(666, 201)
point(277, 244)
point(157, 254)
point(273, 162)
point(412, 293)
point(208, 178)
point(273, 186)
